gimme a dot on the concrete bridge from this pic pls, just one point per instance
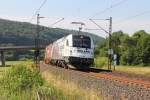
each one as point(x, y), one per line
point(16, 48)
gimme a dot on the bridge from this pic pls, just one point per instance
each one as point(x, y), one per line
point(16, 48)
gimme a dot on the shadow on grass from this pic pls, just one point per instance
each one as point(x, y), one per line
point(6, 66)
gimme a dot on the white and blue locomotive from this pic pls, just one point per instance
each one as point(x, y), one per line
point(71, 51)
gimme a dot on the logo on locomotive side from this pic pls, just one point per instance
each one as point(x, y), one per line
point(83, 51)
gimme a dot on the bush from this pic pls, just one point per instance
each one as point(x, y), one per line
point(123, 60)
point(20, 78)
point(100, 61)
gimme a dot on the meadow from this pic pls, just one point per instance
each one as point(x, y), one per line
point(101, 62)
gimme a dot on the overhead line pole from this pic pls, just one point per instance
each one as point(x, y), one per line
point(37, 11)
point(109, 41)
point(110, 48)
point(37, 44)
point(37, 51)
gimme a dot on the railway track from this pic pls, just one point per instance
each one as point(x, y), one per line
point(123, 80)
point(105, 74)
point(109, 86)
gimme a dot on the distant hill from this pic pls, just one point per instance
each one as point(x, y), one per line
point(22, 33)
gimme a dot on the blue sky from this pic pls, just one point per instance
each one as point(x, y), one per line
point(81, 10)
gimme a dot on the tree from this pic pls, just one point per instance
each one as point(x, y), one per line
point(134, 50)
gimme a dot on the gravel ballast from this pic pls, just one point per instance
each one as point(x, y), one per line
point(106, 88)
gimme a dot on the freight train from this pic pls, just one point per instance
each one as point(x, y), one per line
point(71, 51)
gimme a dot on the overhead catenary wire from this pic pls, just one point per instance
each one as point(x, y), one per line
point(98, 26)
point(106, 9)
point(37, 11)
point(95, 29)
point(133, 16)
point(57, 22)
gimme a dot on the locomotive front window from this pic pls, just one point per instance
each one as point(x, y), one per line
point(81, 41)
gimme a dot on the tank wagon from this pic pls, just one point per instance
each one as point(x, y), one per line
point(73, 51)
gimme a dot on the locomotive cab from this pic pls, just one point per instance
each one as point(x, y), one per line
point(81, 51)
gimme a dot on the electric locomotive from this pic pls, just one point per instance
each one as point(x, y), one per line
point(73, 51)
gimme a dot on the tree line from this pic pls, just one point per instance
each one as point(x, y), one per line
point(130, 50)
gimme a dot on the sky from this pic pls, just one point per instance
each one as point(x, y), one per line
point(127, 15)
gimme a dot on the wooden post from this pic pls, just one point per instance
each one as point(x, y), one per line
point(2, 58)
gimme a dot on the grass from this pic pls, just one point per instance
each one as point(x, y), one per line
point(138, 70)
point(3, 70)
point(134, 69)
point(13, 63)
point(50, 92)
point(20, 82)
point(10, 64)
point(72, 91)
point(101, 62)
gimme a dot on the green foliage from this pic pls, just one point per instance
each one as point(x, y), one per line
point(23, 83)
point(101, 49)
point(100, 61)
point(20, 79)
point(20, 82)
point(134, 50)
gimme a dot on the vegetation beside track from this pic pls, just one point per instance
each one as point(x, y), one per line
point(101, 62)
point(130, 50)
point(21, 81)
point(14, 63)
point(134, 70)
point(71, 90)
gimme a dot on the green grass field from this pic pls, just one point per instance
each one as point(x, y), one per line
point(134, 69)
point(101, 62)
point(11, 63)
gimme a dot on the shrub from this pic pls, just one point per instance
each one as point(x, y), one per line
point(100, 61)
point(20, 78)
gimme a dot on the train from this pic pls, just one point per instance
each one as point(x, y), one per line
point(72, 51)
